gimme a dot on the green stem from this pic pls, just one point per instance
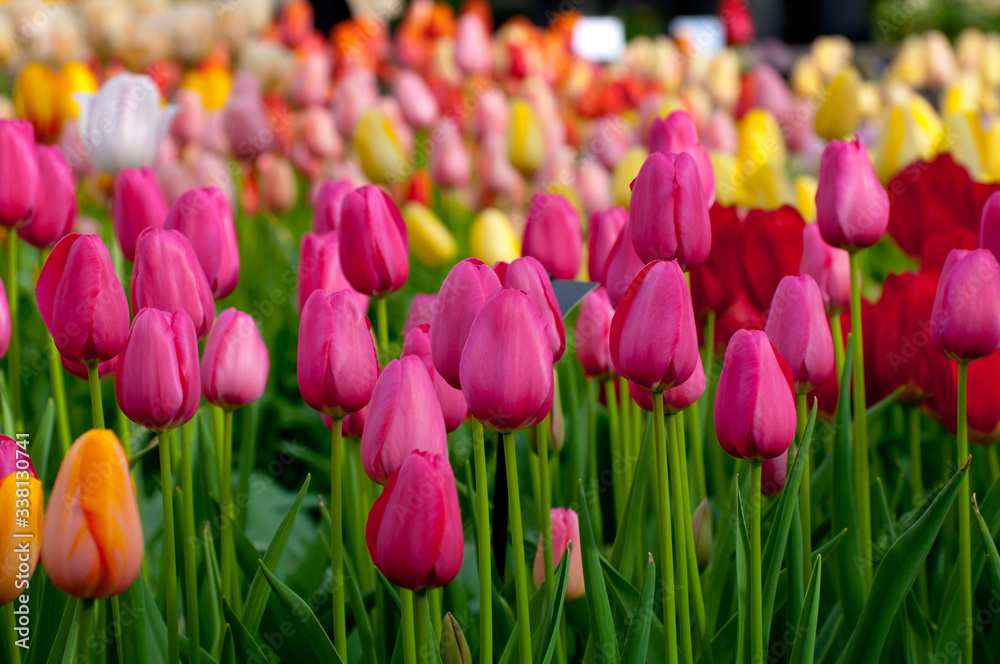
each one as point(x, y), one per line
point(593, 496)
point(916, 462)
point(964, 535)
point(625, 411)
point(359, 509)
point(59, 393)
point(228, 545)
point(96, 405)
point(409, 638)
point(756, 605)
point(708, 363)
point(382, 324)
point(14, 351)
point(483, 537)
point(169, 550)
point(862, 496)
point(434, 606)
point(805, 497)
point(666, 540)
point(420, 624)
point(993, 463)
point(337, 536)
point(545, 498)
point(13, 651)
point(85, 631)
point(680, 538)
point(188, 548)
point(517, 544)
point(693, 422)
point(617, 457)
point(838, 345)
point(216, 417)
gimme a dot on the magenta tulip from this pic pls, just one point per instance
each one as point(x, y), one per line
point(473, 44)
point(668, 217)
point(138, 204)
point(337, 364)
point(527, 274)
point(417, 342)
point(421, 311)
point(19, 165)
point(755, 400)
point(621, 267)
point(989, 225)
point(352, 426)
point(55, 201)
point(462, 295)
point(829, 266)
point(319, 267)
point(414, 530)
point(416, 99)
point(157, 381)
point(204, 217)
point(328, 205)
point(235, 364)
point(676, 133)
point(5, 329)
point(675, 399)
point(506, 367)
point(798, 328)
point(605, 227)
point(773, 473)
point(373, 242)
point(965, 319)
point(552, 235)
point(81, 300)
point(565, 529)
point(593, 333)
point(852, 208)
point(104, 369)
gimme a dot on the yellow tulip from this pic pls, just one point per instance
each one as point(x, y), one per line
point(805, 195)
point(431, 242)
point(211, 83)
point(760, 143)
point(378, 148)
point(805, 80)
point(963, 95)
point(964, 138)
point(37, 100)
point(75, 77)
point(492, 237)
point(724, 167)
point(723, 78)
point(625, 171)
point(767, 187)
point(525, 148)
point(992, 144)
point(908, 131)
point(837, 115)
point(831, 54)
point(21, 511)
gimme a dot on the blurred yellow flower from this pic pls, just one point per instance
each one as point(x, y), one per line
point(378, 148)
point(75, 77)
point(805, 196)
point(431, 242)
point(625, 171)
point(724, 167)
point(524, 138)
point(212, 83)
point(908, 131)
point(837, 115)
point(760, 143)
point(964, 138)
point(767, 187)
point(37, 99)
point(492, 237)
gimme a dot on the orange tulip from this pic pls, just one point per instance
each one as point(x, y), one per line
point(94, 538)
point(20, 520)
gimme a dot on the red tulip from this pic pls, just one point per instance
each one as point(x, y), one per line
point(157, 381)
point(417, 342)
point(605, 227)
point(373, 242)
point(529, 275)
point(852, 208)
point(81, 300)
point(319, 268)
point(755, 401)
point(741, 316)
point(138, 204)
point(337, 364)
point(235, 364)
point(414, 530)
point(798, 328)
point(989, 225)
point(552, 235)
point(676, 133)
point(593, 334)
point(965, 321)
point(328, 205)
point(55, 201)
point(422, 308)
point(19, 165)
point(735, 16)
point(983, 398)
point(937, 247)
point(565, 529)
point(772, 249)
point(621, 267)
point(675, 399)
point(716, 283)
point(203, 216)
point(506, 366)
point(829, 266)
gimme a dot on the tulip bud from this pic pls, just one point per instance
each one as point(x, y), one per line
point(417, 342)
point(462, 295)
point(653, 338)
point(524, 138)
point(422, 308)
point(378, 148)
point(20, 494)
point(805, 196)
point(754, 401)
point(416, 100)
point(852, 208)
point(759, 142)
point(55, 200)
point(798, 328)
point(78, 369)
point(735, 16)
point(235, 364)
point(506, 367)
point(528, 275)
point(473, 45)
point(81, 300)
point(203, 216)
point(451, 164)
point(337, 364)
point(19, 165)
point(773, 473)
point(36, 96)
point(552, 235)
point(493, 238)
point(965, 320)
point(701, 524)
point(454, 648)
point(430, 239)
point(5, 329)
point(319, 268)
point(838, 115)
point(138, 204)
point(373, 242)
point(829, 266)
point(565, 530)
point(712, 283)
point(593, 334)
point(677, 398)
point(621, 267)
point(603, 232)
point(668, 217)
point(989, 225)
point(676, 133)
point(93, 537)
point(328, 205)
point(414, 530)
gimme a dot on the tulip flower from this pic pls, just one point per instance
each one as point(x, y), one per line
point(417, 101)
point(798, 329)
point(54, 209)
point(5, 322)
point(319, 267)
point(37, 99)
point(701, 523)
point(852, 208)
point(422, 308)
point(603, 231)
point(19, 165)
point(93, 537)
point(989, 225)
point(430, 239)
point(138, 204)
point(20, 540)
point(625, 172)
point(759, 143)
point(524, 138)
point(417, 342)
point(78, 369)
point(373, 242)
point(716, 283)
point(829, 266)
point(773, 475)
point(337, 365)
point(462, 295)
point(167, 276)
point(907, 131)
point(653, 338)
point(414, 530)
point(772, 249)
point(121, 126)
point(805, 196)
point(75, 77)
point(527, 274)
point(204, 217)
point(235, 363)
point(473, 45)
point(506, 366)
point(965, 321)
point(552, 235)
point(675, 399)
point(676, 133)
point(565, 530)
point(592, 333)
point(668, 217)
point(328, 204)
point(837, 114)
point(378, 148)
point(735, 16)
point(621, 267)
point(81, 300)
point(492, 237)
point(451, 164)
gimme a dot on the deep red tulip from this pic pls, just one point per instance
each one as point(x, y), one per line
point(716, 283)
point(605, 227)
point(565, 529)
point(755, 401)
point(675, 399)
point(54, 210)
point(235, 364)
point(621, 267)
point(529, 275)
point(337, 364)
point(506, 367)
point(741, 316)
point(983, 399)
point(421, 311)
point(81, 300)
point(319, 267)
point(772, 249)
point(937, 247)
point(829, 266)
point(19, 165)
point(204, 217)
point(414, 530)
point(417, 342)
point(798, 328)
point(852, 208)
point(773, 473)
point(965, 321)
point(327, 207)
point(902, 348)
point(157, 381)
point(593, 334)
point(989, 225)
point(735, 16)
point(373, 242)
point(677, 133)
point(138, 204)
point(78, 369)
point(552, 235)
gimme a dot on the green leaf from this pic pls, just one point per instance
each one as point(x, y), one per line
point(599, 610)
point(626, 597)
point(58, 649)
point(918, 643)
point(247, 649)
point(131, 607)
point(313, 632)
point(828, 632)
point(228, 648)
point(360, 615)
point(209, 600)
point(544, 640)
point(253, 609)
point(896, 574)
point(805, 639)
point(42, 443)
point(629, 534)
point(8, 417)
point(637, 638)
point(876, 409)
point(992, 558)
point(742, 577)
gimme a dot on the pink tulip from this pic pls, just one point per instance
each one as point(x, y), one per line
point(495, 170)
point(138, 204)
point(55, 206)
point(462, 295)
point(319, 267)
point(352, 426)
point(773, 475)
point(167, 276)
point(506, 367)
point(605, 227)
point(852, 208)
point(989, 225)
point(829, 266)
point(414, 530)
point(965, 320)
point(422, 309)
point(528, 275)
point(19, 165)
point(593, 183)
point(157, 381)
point(416, 100)
point(610, 139)
point(473, 45)
point(417, 342)
point(204, 217)
point(565, 529)
point(653, 338)
point(276, 179)
point(592, 333)
point(492, 113)
point(451, 165)
point(190, 122)
point(357, 92)
point(337, 365)
point(677, 398)
point(327, 206)
point(315, 141)
point(798, 328)
point(78, 369)
point(552, 235)
point(668, 217)
point(677, 133)
point(373, 242)
point(755, 400)
point(721, 133)
point(310, 85)
point(245, 120)
point(235, 364)
point(621, 266)
point(81, 300)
